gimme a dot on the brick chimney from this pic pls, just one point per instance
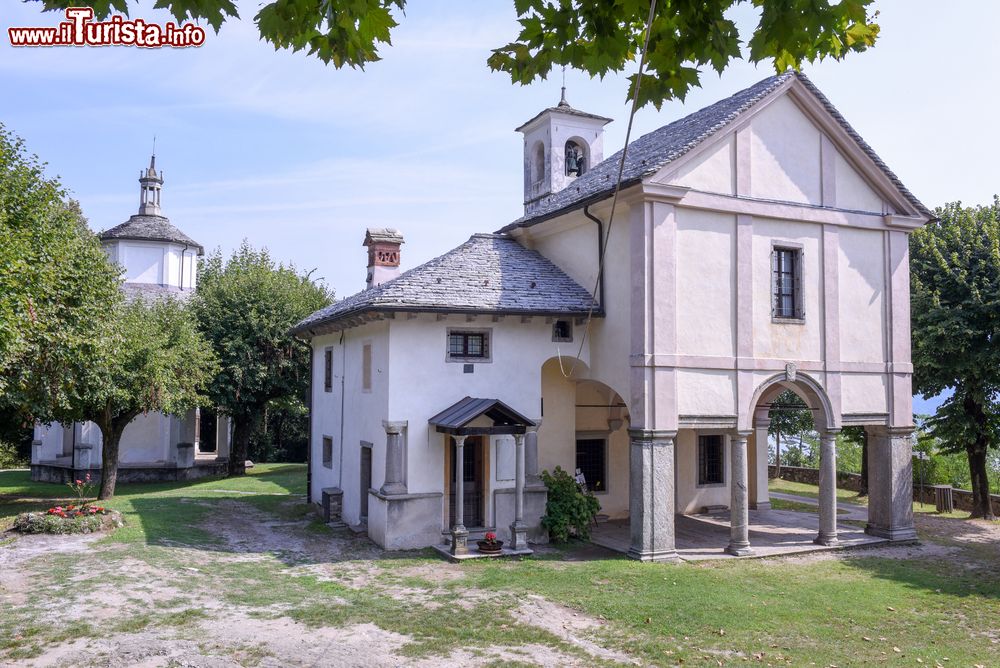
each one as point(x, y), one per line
point(383, 254)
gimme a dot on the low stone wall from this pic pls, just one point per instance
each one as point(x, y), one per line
point(851, 481)
point(962, 498)
point(129, 474)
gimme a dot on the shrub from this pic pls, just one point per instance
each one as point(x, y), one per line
point(570, 509)
point(10, 458)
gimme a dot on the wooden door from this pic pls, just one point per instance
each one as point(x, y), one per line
point(473, 462)
point(366, 480)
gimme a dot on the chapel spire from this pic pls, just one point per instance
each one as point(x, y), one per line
point(150, 184)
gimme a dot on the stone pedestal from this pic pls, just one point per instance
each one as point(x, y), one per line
point(890, 483)
point(222, 437)
point(651, 495)
point(519, 530)
point(83, 456)
point(185, 455)
point(393, 458)
point(739, 504)
point(36, 451)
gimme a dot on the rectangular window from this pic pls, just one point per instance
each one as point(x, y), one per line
point(366, 367)
point(328, 370)
point(468, 346)
point(328, 452)
point(710, 460)
point(786, 281)
point(591, 463)
point(562, 331)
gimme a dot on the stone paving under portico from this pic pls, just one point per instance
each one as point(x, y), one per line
point(772, 533)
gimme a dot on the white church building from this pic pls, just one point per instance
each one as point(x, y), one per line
point(759, 245)
point(157, 261)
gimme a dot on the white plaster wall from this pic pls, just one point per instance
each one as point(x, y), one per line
point(785, 155)
point(713, 170)
point(706, 283)
point(593, 422)
point(863, 393)
point(554, 130)
point(853, 192)
point(861, 275)
point(145, 439)
point(363, 413)
point(779, 340)
point(690, 497)
point(706, 392)
point(143, 263)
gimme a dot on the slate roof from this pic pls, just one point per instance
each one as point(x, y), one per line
point(651, 152)
point(488, 274)
point(454, 418)
point(563, 108)
point(150, 228)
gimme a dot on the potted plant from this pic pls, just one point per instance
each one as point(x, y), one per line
point(490, 544)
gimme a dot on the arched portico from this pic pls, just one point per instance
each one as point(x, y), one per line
point(755, 421)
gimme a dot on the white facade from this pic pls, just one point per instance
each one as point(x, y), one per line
point(690, 342)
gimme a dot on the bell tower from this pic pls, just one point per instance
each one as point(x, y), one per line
point(150, 184)
point(560, 145)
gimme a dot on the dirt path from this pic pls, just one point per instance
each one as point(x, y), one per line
point(173, 596)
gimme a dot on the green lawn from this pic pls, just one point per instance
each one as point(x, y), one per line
point(848, 496)
point(170, 574)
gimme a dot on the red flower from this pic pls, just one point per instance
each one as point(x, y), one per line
point(490, 536)
point(79, 482)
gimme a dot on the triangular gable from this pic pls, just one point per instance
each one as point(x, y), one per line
point(455, 418)
point(800, 149)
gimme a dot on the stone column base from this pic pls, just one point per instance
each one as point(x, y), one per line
point(739, 550)
point(824, 539)
point(518, 536)
point(459, 540)
point(892, 533)
point(667, 556)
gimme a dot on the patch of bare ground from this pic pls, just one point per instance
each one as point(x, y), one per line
point(568, 625)
point(14, 580)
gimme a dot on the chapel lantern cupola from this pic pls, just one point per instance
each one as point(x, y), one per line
point(561, 144)
point(150, 185)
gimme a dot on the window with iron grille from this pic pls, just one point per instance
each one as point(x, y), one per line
point(786, 282)
point(468, 346)
point(591, 461)
point(328, 370)
point(328, 452)
point(710, 460)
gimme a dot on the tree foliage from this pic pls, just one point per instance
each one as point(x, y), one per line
point(594, 36)
point(955, 310)
point(155, 360)
point(790, 417)
point(56, 290)
point(245, 307)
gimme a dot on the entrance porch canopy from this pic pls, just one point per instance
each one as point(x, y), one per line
point(506, 420)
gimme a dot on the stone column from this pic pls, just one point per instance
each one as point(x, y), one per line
point(651, 495)
point(532, 478)
point(393, 458)
point(518, 530)
point(459, 535)
point(761, 499)
point(827, 489)
point(222, 437)
point(739, 505)
point(890, 483)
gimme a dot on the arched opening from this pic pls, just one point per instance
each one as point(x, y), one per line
point(584, 431)
point(576, 157)
point(537, 164)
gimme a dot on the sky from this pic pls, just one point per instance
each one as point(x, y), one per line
point(285, 152)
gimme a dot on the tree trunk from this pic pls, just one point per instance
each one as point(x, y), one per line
point(981, 504)
point(242, 428)
point(864, 463)
point(777, 454)
point(111, 435)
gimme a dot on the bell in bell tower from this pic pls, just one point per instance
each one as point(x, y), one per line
point(561, 144)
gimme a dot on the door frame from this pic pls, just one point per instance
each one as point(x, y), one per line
point(484, 443)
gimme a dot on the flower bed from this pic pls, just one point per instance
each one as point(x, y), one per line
point(69, 519)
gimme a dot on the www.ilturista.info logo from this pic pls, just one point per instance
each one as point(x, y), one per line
point(80, 29)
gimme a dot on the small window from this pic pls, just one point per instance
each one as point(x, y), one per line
point(366, 367)
point(562, 331)
point(328, 370)
point(591, 463)
point(328, 452)
point(575, 158)
point(710, 461)
point(468, 346)
point(786, 281)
